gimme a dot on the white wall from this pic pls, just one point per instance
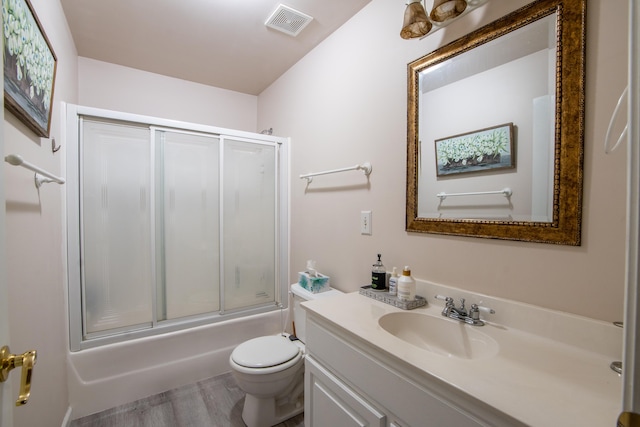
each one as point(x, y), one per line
point(114, 87)
point(345, 103)
point(34, 235)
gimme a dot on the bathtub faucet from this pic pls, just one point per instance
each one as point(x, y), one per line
point(471, 317)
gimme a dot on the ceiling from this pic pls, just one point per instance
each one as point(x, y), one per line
point(221, 43)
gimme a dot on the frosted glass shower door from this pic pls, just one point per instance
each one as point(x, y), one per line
point(249, 224)
point(170, 225)
point(116, 218)
point(189, 228)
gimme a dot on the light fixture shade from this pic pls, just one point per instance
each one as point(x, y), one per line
point(415, 24)
point(447, 9)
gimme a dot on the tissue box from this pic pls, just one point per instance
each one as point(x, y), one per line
point(313, 284)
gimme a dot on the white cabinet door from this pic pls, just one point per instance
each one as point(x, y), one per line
point(329, 402)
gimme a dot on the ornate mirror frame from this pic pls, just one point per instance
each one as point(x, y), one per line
point(565, 225)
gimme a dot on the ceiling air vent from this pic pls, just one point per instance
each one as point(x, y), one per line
point(288, 20)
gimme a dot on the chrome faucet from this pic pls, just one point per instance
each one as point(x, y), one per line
point(471, 317)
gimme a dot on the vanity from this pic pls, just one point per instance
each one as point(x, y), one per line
point(369, 363)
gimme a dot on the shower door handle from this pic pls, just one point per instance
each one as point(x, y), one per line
point(9, 361)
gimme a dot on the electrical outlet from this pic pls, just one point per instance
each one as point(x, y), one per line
point(365, 222)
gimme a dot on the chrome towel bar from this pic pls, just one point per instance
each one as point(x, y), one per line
point(365, 167)
point(506, 192)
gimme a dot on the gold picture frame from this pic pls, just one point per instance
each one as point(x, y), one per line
point(29, 67)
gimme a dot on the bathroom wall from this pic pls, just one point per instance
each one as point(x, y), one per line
point(114, 87)
point(345, 103)
point(34, 236)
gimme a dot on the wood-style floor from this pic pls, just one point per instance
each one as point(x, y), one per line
point(214, 402)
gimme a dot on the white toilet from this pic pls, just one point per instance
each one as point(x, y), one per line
point(270, 369)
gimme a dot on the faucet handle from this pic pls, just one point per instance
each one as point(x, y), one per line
point(486, 309)
point(474, 311)
point(449, 306)
point(447, 300)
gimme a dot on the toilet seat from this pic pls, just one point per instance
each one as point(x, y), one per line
point(266, 352)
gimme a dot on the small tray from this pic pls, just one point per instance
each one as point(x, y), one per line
point(393, 300)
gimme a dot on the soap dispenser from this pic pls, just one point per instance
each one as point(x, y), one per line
point(406, 286)
point(378, 276)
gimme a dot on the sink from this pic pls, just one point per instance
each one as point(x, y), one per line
point(440, 335)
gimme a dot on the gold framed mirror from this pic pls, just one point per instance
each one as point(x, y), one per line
point(505, 105)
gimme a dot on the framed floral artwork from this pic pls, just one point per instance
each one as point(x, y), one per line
point(478, 151)
point(29, 67)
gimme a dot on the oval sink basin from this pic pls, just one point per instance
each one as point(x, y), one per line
point(440, 335)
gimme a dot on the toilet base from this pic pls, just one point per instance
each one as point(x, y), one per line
point(259, 412)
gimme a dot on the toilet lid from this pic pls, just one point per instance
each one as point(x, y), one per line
point(263, 352)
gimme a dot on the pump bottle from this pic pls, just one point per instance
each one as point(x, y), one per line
point(406, 286)
point(393, 282)
point(378, 276)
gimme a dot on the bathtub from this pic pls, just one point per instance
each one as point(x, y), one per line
point(111, 375)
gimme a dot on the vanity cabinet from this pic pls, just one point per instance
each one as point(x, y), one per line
point(333, 403)
point(349, 382)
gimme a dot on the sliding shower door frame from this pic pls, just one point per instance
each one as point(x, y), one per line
point(79, 339)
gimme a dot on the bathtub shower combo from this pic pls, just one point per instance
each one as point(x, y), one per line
point(177, 251)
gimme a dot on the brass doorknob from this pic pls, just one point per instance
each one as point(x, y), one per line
point(9, 361)
point(628, 419)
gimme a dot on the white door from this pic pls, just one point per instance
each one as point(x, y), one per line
point(6, 394)
point(631, 357)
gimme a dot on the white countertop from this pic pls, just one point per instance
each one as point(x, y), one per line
point(535, 379)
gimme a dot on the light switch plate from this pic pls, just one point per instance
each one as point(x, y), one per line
point(365, 222)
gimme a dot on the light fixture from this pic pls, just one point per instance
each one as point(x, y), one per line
point(447, 9)
point(415, 24)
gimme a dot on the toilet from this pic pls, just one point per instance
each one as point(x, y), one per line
point(270, 369)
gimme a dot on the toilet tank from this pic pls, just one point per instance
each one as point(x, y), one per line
point(300, 295)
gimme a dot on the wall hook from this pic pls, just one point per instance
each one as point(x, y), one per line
point(53, 145)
